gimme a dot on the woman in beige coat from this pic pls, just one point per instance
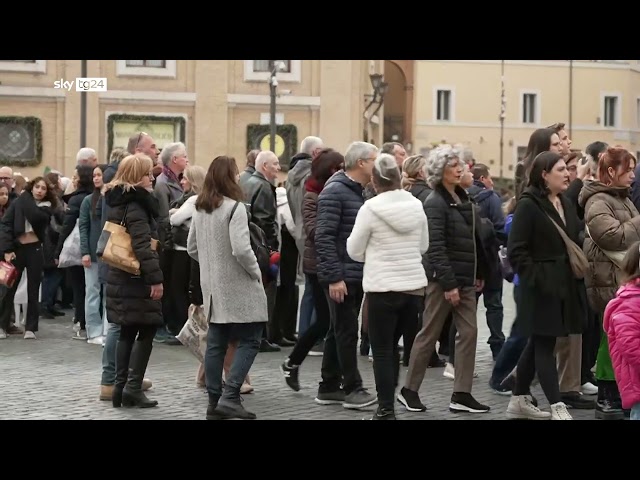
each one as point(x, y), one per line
point(612, 226)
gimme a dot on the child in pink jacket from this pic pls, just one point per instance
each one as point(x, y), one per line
point(622, 324)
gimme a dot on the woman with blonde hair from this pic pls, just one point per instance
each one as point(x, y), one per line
point(414, 177)
point(133, 301)
point(180, 218)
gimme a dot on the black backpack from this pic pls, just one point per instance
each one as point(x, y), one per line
point(258, 243)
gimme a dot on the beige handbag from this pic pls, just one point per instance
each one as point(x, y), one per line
point(577, 258)
point(114, 247)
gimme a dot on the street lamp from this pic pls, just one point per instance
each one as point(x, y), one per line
point(503, 115)
point(379, 91)
point(275, 66)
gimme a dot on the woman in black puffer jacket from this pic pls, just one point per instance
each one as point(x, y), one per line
point(414, 180)
point(133, 301)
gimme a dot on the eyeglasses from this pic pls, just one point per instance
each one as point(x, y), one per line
point(142, 134)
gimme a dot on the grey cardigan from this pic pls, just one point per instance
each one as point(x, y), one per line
point(230, 278)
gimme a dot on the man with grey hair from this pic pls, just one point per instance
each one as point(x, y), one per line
point(341, 276)
point(299, 171)
point(87, 156)
point(167, 190)
point(260, 194)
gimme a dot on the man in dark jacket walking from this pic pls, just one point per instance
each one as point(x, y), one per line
point(338, 206)
point(260, 194)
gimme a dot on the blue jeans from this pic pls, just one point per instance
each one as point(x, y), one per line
point(248, 336)
point(307, 309)
point(493, 303)
point(109, 355)
point(511, 350)
point(92, 298)
point(635, 412)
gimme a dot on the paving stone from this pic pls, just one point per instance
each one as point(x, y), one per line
point(56, 377)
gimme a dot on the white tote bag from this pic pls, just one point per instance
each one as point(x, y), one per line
point(71, 255)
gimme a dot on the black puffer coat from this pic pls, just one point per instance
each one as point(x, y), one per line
point(128, 296)
point(455, 258)
point(338, 206)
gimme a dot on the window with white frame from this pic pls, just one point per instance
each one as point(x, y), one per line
point(37, 66)
point(146, 68)
point(263, 66)
point(259, 71)
point(529, 108)
point(147, 63)
point(611, 104)
point(443, 105)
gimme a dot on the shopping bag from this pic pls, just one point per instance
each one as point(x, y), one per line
point(71, 256)
point(194, 333)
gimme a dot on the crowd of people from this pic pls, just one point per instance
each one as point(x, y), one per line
point(386, 250)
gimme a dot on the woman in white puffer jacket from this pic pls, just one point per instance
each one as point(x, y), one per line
point(390, 236)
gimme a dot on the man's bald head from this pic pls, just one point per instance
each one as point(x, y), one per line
point(268, 164)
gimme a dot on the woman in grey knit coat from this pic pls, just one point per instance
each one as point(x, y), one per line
point(233, 296)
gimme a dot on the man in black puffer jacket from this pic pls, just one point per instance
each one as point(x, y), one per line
point(338, 206)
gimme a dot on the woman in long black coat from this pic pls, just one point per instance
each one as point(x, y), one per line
point(133, 301)
point(552, 301)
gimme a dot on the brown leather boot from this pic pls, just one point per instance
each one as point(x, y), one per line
point(106, 392)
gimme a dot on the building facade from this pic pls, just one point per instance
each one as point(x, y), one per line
point(215, 107)
point(459, 101)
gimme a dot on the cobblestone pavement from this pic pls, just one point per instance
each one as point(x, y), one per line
point(56, 377)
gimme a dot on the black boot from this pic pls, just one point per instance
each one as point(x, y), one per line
point(212, 413)
point(133, 396)
point(123, 355)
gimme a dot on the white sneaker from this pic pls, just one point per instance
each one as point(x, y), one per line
point(589, 389)
point(520, 407)
point(3, 334)
point(29, 335)
point(449, 372)
point(559, 412)
point(96, 341)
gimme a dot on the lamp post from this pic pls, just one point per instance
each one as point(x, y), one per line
point(83, 107)
point(380, 88)
point(570, 96)
point(275, 66)
point(503, 110)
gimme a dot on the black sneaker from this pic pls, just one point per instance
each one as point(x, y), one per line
point(576, 400)
point(410, 400)
point(330, 398)
point(464, 402)
point(290, 375)
point(384, 414)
